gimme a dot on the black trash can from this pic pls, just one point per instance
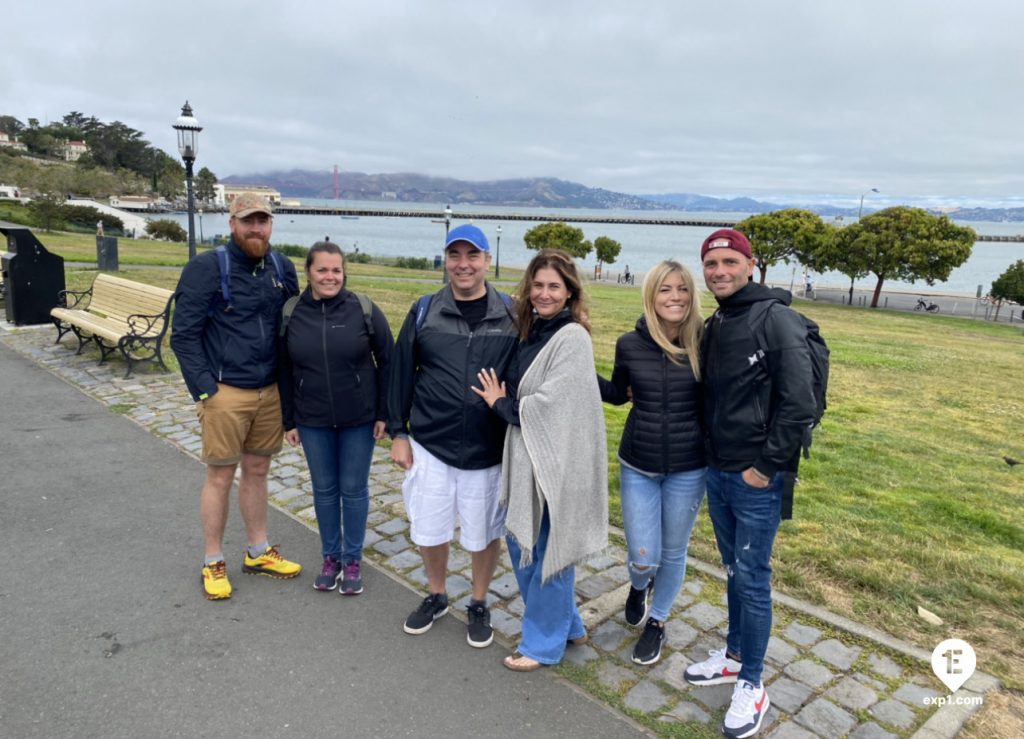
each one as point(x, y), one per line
point(106, 253)
point(437, 261)
point(32, 277)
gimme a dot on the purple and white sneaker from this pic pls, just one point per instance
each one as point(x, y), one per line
point(329, 575)
point(352, 582)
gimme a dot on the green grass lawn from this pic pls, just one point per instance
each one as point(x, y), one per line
point(906, 500)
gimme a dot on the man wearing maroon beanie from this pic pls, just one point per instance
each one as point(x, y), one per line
point(758, 400)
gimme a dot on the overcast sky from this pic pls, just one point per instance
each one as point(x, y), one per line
point(794, 99)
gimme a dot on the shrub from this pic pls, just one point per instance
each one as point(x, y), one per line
point(163, 228)
point(291, 250)
point(413, 263)
point(359, 257)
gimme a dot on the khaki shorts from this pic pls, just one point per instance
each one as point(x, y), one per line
point(237, 421)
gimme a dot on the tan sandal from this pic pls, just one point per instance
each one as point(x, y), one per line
point(521, 663)
point(579, 641)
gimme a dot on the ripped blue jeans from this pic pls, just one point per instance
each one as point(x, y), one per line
point(658, 513)
point(746, 520)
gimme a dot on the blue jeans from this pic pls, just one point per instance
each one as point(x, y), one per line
point(746, 520)
point(339, 465)
point(551, 617)
point(658, 513)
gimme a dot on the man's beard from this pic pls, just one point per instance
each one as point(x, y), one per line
point(254, 247)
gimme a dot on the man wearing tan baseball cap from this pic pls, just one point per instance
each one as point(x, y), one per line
point(228, 308)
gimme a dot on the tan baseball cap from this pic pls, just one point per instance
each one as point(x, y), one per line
point(247, 203)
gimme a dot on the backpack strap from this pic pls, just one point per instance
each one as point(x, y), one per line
point(286, 314)
point(224, 266)
point(367, 305)
point(422, 306)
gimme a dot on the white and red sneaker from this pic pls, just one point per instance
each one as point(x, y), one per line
point(746, 712)
point(715, 670)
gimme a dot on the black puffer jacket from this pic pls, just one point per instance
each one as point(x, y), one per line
point(756, 408)
point(333, 373)
point(662, 433)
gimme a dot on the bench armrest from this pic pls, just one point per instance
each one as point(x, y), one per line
point(73, 298)
point(141, 325)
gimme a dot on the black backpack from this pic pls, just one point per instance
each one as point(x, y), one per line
point(816, 348)
point(365, 304)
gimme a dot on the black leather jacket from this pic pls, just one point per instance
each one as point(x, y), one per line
point(756, 407)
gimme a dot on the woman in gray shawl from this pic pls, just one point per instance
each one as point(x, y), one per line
point(555, 465)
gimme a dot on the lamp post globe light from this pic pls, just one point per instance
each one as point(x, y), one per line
point(188, 129)
point(444, 253)
point(497, 256)
point(860, 212)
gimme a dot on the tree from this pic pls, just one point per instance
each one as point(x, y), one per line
point(606, 250)
point(205, 180)
point(558, 236)
point(904, 243)
point(783, 235)
point(10, 125)
point(1009, 285)
point(47, 210)
point(171, 181)
point(164, 228)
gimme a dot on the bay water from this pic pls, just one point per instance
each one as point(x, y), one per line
point(642, 245)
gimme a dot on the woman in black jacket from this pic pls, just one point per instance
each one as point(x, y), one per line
point(334, 365)
point(661, 453)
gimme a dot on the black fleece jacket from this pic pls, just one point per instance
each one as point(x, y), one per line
point(333, 373)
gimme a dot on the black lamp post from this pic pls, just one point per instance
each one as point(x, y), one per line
point(860, 211)
point(188, 129)
point(447, 226)
point(497, 256)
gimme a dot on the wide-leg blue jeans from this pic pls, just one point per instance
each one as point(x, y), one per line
point(339, 466)
point(658, 513)
point(551, 617)
point(746, 520)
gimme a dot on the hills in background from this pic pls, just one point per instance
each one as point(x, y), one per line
point(536, 192)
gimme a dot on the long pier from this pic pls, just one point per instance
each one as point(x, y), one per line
point(651, 220)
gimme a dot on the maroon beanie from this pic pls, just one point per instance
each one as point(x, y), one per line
point(727, 238)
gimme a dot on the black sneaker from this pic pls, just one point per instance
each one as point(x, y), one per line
point(636, 604)
point(648, 650)
point(479, 633)
point(432, 608)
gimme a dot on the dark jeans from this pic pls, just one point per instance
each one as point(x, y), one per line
point(746, 520)
point(339, 465)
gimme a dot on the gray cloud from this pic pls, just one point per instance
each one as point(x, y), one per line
point(790, 98)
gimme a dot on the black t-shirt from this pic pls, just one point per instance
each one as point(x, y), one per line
point(473, 311)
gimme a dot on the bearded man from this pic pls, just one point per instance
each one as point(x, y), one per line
point(227, 312)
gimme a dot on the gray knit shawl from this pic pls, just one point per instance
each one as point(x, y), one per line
point(558, 455)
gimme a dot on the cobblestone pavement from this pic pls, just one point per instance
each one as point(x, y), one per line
point(826, 676)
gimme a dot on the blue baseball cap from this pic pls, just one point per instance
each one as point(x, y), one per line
point(469, 233)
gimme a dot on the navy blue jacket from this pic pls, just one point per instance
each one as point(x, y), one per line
point(333, 373)
point(236, 347)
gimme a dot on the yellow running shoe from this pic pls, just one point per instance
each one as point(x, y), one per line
point(271, 564)
point(215, 581)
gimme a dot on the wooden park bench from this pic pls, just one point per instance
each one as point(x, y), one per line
point(118, 315)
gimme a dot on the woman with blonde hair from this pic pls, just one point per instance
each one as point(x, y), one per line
point(657, 365)
point(555, 463)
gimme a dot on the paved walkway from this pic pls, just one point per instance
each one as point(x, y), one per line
point(826, 676)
